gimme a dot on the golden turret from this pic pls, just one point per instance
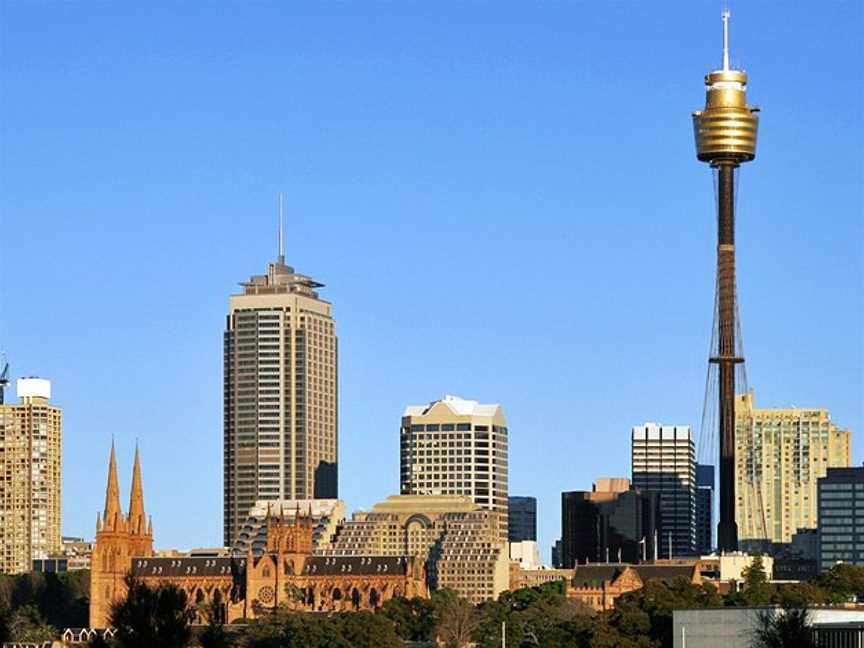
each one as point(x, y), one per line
point(726, 129)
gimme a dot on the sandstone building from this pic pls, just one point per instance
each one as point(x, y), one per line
point(241, 586)
point(459, 541)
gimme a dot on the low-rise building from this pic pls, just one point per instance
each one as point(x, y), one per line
point(521, 578)
point(598, 586)
point(734, 626)
point(526, 554)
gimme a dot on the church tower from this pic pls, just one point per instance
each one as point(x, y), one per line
point(119, 538)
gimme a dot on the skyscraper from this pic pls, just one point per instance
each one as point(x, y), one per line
point(522, 520)
point(841, 517)
point(280, 394)
point(664, 462)
point(780, 455)
point(30, 461)
point(611, 523)
point(455, 446)
point(704, 509)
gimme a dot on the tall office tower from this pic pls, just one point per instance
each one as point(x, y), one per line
point(781, 453)
point(30, 445)
point(841, 517)
point(456, 447)
point(664, 462)
point(612, 522)
point(704, 509)
point(280, 394)
point(522, 518)
point(725, 137)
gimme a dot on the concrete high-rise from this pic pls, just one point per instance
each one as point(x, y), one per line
point(280, 394)
point(780, 455)
point(522, 518)
point(704, 509)
point(30, 462)
point(456, 447)
point(841, 517)
point(664, 462)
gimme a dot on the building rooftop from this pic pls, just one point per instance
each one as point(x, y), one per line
point(459, 406)
point(425, 503)
point(281, 279)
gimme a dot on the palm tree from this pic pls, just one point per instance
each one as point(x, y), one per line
point(791, 627)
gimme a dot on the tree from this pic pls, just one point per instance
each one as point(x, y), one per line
point(791, 627)
point(27, 625)
point(99, 641)
point(284, 628)
point(843, 582)
point(757, 589)
point(368, 630)
point(147, 617)
point(4, 623)
point(797, 595)
point(413, 619)
point(456, 619)
point(656, 600)
point(62, 599)
point(214, 635)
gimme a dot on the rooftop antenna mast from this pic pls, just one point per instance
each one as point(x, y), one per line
point(725, 16)
point(4, 376)
point(281, 234)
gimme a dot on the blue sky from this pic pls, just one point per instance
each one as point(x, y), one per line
point(502, 198)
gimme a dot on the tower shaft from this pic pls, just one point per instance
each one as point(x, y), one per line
point(726, 137)
point(726, 359)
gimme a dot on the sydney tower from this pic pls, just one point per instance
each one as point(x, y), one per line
point(725, 137)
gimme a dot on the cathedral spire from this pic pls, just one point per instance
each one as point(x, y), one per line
point(137, 519)
point(112, 494)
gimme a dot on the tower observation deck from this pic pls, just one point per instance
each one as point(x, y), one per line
point(725, 133)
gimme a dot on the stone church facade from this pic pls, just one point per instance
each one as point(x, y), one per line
point(241, 586)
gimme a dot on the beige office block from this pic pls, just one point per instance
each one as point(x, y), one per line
point(456, 447)
point(280, 395)
point(779, 456)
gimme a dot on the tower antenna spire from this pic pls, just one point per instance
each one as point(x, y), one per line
point(281, 234)
point(725, 17)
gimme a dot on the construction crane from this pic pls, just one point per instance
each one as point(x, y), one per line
point(4, 376)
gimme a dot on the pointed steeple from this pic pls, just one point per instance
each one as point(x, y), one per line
point(137, 519)
point(112, 515)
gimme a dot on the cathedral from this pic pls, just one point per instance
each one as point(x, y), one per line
point(246, 586)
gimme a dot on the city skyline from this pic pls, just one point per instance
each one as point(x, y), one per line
point(391, 257)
